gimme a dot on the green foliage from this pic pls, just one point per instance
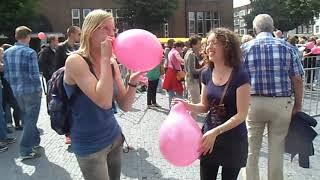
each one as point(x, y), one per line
point(14, 13)
point(146, 14)
point(287, 14)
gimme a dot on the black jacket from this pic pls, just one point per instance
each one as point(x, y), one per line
point(300, 137)
point(62, 52)
point(46, 62)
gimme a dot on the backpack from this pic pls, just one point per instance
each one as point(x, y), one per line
point(58, 103)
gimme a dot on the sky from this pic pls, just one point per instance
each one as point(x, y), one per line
point(237, 3)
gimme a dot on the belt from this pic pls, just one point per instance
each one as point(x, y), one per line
point(267, 95)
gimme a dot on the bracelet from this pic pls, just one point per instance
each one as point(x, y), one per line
point(132, 85)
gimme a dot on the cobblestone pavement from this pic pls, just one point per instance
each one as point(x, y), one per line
point(144, 163)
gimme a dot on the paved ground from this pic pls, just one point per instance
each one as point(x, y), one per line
point(144, 163)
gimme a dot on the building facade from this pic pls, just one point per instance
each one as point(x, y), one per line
point(191, 17)
point(240, 25)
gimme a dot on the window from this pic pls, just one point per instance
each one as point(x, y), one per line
point(166, 29)
point(299, 29)
point(75, 14)
point(216, 20)
point(310, 29)
point(108, 10)
point(242, 32)
point(120, 20)
point(243, 23)
point(200, 23)
point(317, 29)
point(236, 14)
point(208, 22)
point(242, 13)
point(305, 29)
point(249, 11)
point(236, 22)
point(192, 23)
point(85, 12)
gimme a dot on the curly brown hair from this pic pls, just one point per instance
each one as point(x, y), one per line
point(231, 42)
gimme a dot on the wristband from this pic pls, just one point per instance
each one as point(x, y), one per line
point(132, 85)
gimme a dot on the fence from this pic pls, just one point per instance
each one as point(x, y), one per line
point(311, 98)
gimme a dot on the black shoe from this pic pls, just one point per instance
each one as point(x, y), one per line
point(32, 155)
point(19, 128)
point(10, 140)
point(3, 147)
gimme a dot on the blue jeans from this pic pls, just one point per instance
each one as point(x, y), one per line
point(172, 95)
point(30, 108)
point(3, 124)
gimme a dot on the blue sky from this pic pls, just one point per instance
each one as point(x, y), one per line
point(237, 3)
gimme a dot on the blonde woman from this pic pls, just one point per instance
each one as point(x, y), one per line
point(96, 136)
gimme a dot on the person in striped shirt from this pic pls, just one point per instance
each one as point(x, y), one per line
point(275, 72)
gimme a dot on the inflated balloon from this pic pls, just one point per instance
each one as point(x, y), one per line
point(309, 45)
point(180, 137)
point(41, 35)
point(315, 50)
point(138, 50)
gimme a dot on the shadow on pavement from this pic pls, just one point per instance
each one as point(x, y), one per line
point(135, 165)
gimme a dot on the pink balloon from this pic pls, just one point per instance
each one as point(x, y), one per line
point(315, 50)
point(41, 35)
point(138, 50)
point(180, 137)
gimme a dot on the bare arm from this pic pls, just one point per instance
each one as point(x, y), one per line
point(297, 82)
point(125, 98)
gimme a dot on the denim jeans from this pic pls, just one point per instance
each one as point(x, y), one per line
point(3, 124)
point(30, 108)
point(172, 95)
point(104, 164)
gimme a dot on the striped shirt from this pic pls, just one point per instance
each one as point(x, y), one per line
point(270, 63)
point(22, 70)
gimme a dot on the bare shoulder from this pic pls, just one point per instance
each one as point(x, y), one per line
point(75, 61)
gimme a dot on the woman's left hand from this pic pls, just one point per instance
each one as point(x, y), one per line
point(208, 140)
point(134, 77)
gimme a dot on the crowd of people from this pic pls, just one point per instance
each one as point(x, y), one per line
point(242, 84)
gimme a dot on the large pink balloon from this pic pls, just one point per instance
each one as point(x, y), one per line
point(138, 50)
point(41, 35)
point(180, 137)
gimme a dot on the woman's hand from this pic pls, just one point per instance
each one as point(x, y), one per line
point(208, 140)
point(134, 77)
point(177, 100)
point(106, 49)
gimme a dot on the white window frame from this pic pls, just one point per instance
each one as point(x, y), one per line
point(73, 17)
point(84, 14)
point(193, 20)
point(317, 28)
point(200, 20)
point(236, 14)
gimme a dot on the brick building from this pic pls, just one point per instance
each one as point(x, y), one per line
point(191, 17)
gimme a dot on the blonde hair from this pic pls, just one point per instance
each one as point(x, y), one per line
point(90, 24)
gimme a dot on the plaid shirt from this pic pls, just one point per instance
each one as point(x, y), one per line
point(270, 63)
point(22, 70)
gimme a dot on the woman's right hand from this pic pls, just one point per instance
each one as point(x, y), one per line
point(177, 100)
point(106, 49)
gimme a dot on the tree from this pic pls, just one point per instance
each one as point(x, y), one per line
point(286, 14)
point(14, 13)
point(146, 14)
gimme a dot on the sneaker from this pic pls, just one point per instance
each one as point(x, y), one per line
point(19, 128)
point(3, 147)
point(10, 140)
point(68, 140)
point(32, 155)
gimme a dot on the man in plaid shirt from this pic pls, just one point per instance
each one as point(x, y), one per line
point(276, 73)
point(22, 73)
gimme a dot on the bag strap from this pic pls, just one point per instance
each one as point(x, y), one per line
point(225, 88)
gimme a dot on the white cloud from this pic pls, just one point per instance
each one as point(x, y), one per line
point(237, 3)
